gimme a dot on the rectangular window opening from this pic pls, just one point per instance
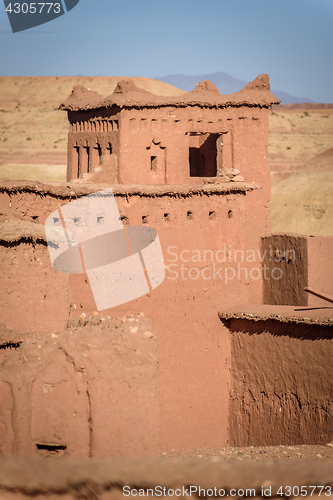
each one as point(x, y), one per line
point(55, 448)
point(203, 154)
point(153, 163)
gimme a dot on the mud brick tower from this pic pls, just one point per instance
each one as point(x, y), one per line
point(140, 138)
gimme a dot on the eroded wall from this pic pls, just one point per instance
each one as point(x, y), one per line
point(34, 296)
point(285, 269)
point(199, 235)
point(91, 390)
point(281, 384)
point(293, 262)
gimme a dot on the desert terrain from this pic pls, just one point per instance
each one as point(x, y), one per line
point(300, 154)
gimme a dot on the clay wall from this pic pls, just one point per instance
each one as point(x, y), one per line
point(320, 274)
point(199, 235)
point(297, 262)
point(91, 390)
point(285, 261)
point(35, 297)
point(281, 383)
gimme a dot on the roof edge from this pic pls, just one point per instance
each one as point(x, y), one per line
point(205, 94)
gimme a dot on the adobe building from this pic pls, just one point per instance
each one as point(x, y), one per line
point(228, 343)
point(141, 138)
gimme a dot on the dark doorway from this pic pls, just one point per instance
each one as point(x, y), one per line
point(202, 155)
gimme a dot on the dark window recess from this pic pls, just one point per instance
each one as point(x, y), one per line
point(76, 161)
point(189, 215)
point(10, 345)
point(153, 163)
point(145, 219)
point(100, 220)
point(230, 214)
point(55, 448)
point(124, 219)
point(99, 150)
point(203, 154)
point(166, 217)
point(211, 215)
point(109, 148)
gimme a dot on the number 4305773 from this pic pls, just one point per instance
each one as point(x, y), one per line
point(33, 8)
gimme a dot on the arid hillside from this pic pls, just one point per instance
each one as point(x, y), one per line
point(303, 202)
point(301, 160)
point(297, 134)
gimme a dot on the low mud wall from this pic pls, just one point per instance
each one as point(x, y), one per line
point(121, 478)
point(281, 382)
point(90, 391)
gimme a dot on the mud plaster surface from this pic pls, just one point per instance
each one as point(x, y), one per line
point(91, 391)
point(281, 381)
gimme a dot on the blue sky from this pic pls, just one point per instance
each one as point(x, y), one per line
point(291, 40)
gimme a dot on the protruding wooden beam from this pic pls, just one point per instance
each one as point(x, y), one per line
point(320, 295)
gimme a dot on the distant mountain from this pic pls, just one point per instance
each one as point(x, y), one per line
point(289, 99)
point(225, 83)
